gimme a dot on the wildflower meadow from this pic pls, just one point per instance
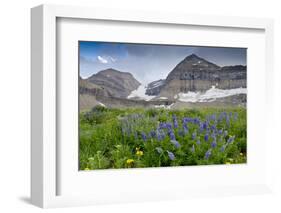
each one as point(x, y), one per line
point(140, 138)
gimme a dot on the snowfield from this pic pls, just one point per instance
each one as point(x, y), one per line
point(140, 93)
point(164, 106)
point(210, 95)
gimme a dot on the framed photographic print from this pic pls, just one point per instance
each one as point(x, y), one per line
point(150, 105)
point(170, 107)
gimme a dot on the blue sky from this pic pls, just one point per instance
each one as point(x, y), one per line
point(149, 62)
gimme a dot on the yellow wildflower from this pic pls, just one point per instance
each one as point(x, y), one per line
point(130, 161)
point(227, 163)
point(139, 153)
point(241, 154)
point(86, 168)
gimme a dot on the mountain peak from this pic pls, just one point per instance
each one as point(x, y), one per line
point(191, 64)
point(193, 56)
point(193, 61)
point(117, 83)
point(112, 70)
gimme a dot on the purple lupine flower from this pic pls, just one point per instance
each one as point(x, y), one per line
point(201, 127)
point(186, 120)
point(223, 148)
point(213, 117)
point(215, 132)
point(205, 125)
point(206, 137)
point(169, 126)
point(227, 119)
point(171, 155)
point(192, 149)
point(208, 154)
point(220, 131)
point(175, 143)
point(143, 135)
point(185, 129)
point(214, 135)
point(235, 116)
point(230, 139)
point(213, 127)
point(160, 134)
point(175, 121)
point(152, 134)
point(163, 125)
point(171, 135)
point(196, 121)
point(194, 134)
point(159, 137)
point(220, 117)
point(159, 150)
point(198, 141)
point(213, 144)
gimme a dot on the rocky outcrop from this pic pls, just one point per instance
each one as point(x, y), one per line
point(154, 88)
point(86, 87)
point(116, 83)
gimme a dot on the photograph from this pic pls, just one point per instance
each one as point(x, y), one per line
point(161, 105)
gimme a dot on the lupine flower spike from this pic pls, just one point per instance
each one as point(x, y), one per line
point(175, 143)
point(171, 155)
point(208, 154)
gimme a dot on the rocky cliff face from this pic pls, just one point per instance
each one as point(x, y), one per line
point(197, 74)
point(116, 83)
point(154, 88)
point(86, 87)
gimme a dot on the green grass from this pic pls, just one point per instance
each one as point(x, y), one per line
point(125, 138)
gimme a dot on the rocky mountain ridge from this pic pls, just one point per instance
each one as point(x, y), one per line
point(192, 77)
point(197, 74)
point(114, 82)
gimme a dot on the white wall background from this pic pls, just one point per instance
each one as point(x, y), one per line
point(15, 104)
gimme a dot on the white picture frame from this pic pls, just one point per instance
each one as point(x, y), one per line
point(44, 148)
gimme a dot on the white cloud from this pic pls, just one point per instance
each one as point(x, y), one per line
point(106, 59)
point(102, 60)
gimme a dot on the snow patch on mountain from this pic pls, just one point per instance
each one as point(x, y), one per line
point(164, 106)
point(140, 94)
point(210, 95)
